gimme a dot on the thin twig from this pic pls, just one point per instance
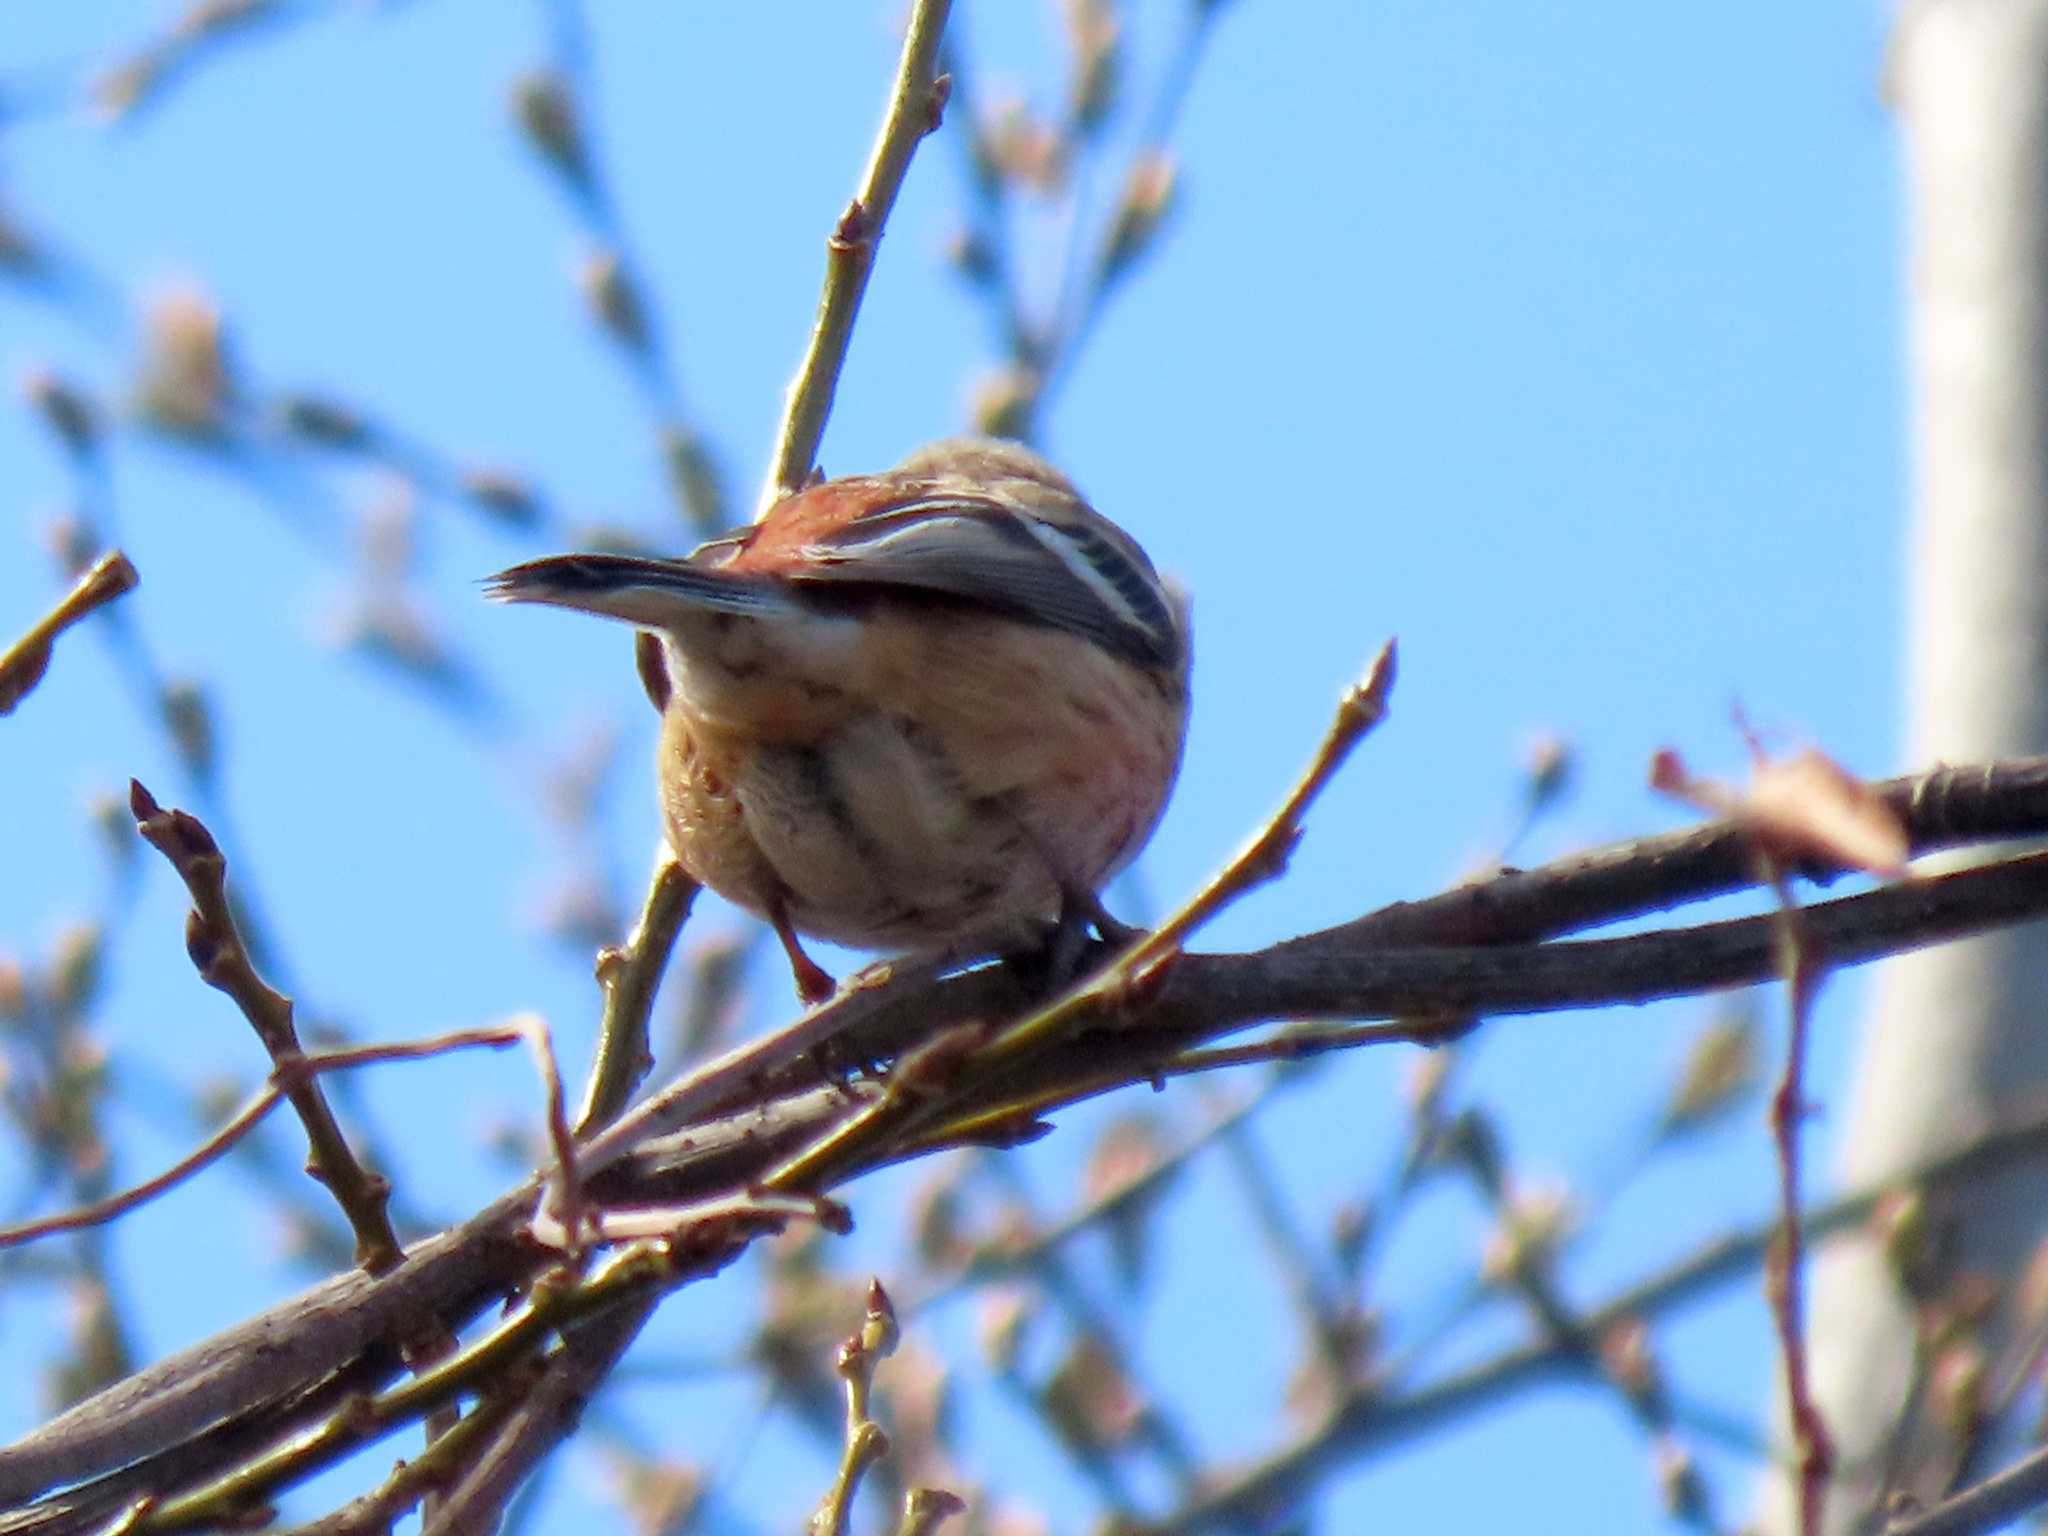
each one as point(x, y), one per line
point(630, 976)
point(214, 942)
point(418, 1477)
point(96, 1212)
point(916, 102)
point(1296, 1264)
point(1784, 1272)
point(740, 1070)
point(287, 1072)
point(454, 1276)
point(1297, 1044)
point(864, 1441)
point(23, 663)
point(996, 272)
point(1095, 1332)
point(545, 1416)
point(1479, 955)
point(1358, 712)
point(1432, 991)
point(200, 32)
point(994, 1262)
point(1086, 283)
point(1718, 1262)
point(627, 1277)
point(1986, 1506)
point(1373, 1420)
point(1042, 352)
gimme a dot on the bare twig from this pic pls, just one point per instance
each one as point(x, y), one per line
point(1374, 1419)
point(1097, 1348)
point(743, 1069)
point(988, 260)
point(244, 1120)
point(960, 1062)
point(1140, 211)
point(546, 1414)
point(1359, 712)
point(276, 1359)
point(1941, 808)
point(1784, 1273)
point(1984, 1507)
point(1298, 1044)
point(1805, 805)
point(865, 1442)
point(439, 1465)
point(23, 663)
point(202, 27)
point(630, 976)
point(284, 1074)
point(1370, 967)
point(1042, 350)
point(1296, 1264)
point(916, 102)
point(633, 1276)
point(215, 944)
point(992, 1263)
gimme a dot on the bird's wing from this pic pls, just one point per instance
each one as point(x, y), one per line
point(1082, 575)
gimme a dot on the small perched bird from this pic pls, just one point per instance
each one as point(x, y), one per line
point(930, 710)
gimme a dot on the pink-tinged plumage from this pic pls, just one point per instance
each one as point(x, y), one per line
point(930, 710)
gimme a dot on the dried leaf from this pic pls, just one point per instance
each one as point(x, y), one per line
point(1803, 807)
point(1809, 806)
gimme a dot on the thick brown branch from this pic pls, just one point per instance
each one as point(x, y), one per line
point(1943, 808)
point(249, 1375)
point(546, 1415)
point(1204, 995)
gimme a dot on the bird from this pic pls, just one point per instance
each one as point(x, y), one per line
point(930, 711)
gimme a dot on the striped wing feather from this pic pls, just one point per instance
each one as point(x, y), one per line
point(1081, 576)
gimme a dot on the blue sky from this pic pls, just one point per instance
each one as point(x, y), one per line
point(1562, 342)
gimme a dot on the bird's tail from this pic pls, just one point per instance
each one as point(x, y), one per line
point(651, 593)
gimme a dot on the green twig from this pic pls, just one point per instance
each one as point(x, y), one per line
point(630, 976)
point(866, 1442)
point(555, 1302)
point(23, 663)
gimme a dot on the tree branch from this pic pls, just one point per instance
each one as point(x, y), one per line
point(752, 1110)
point(23, 663)
point(916, 102)
point(214, 941)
